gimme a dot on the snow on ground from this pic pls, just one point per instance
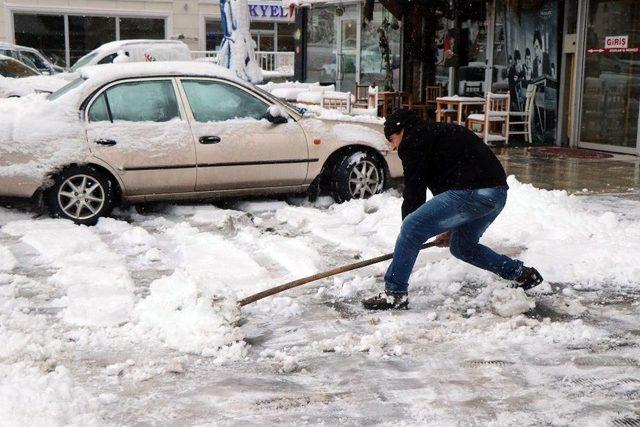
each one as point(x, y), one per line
point(134, 320)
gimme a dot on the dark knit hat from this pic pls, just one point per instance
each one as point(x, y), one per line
point(398, 121)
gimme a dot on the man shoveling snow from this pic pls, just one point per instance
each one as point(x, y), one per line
point(470, 190)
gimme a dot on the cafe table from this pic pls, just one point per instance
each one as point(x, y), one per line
point(458, 103)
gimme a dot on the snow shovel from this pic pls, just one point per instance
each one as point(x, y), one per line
point(333, 272)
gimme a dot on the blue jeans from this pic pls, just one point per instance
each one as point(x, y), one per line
point(467, 214)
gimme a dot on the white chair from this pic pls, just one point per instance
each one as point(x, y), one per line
point(371, 106)
point(523, 120)
point(337, 101)
point(496, 112)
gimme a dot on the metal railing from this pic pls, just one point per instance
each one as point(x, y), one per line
point(269, 61)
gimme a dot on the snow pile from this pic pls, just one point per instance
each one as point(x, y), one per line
point(509, 302)
point(97, 283)
point(7, 260)
point(30, 397)
point(566, 239)
point(191, 319)
point(39, 135)
point(194, 310)
point(27, 85)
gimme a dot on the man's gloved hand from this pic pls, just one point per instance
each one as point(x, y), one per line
point(443, 240)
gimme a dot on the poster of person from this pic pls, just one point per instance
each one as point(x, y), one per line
point(532, 56)
point(446, 44)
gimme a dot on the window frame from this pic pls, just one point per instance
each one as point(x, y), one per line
point(66, 12)
point(187, 105)
point(95, 95)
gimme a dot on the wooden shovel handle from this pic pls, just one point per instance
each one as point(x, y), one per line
point(318, 276)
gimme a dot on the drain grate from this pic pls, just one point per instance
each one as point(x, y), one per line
point(587, 381)
point(600, 382)
point(626, 422)
point(479, 363)
point(605, 361)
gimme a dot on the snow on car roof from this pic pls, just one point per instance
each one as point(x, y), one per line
point(108, 72)
point(5, 45)
point(119, 43)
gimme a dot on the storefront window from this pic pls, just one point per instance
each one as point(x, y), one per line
point(88, 32)
point(372, 65)
point(141, 28)
point(214, 34)
point(43, 32)
point(611, 75)
point(321, 45)
point(461, 44)
point(286, 41)
point(263, 33)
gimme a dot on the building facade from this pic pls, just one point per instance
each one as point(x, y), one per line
point(65, 30)
point(582, 56)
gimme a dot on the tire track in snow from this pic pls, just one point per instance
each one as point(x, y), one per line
point(97, 283)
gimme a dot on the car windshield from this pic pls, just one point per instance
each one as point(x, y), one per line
point(66, 88)
point(13, 68)
point(267, 95)
point(38, 62)
point(84, 60)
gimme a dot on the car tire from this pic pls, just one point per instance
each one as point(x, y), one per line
point(82, 194)
point(358, 175)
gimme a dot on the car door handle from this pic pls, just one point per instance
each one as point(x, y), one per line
point(209, 139)
point(107, 142)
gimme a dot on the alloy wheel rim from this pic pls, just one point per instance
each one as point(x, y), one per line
point(364, 180)
point(81, 197)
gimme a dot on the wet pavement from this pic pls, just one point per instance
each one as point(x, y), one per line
point(619, 174)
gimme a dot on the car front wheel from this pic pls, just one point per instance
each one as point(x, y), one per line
point(358, 175)
point(82, 194)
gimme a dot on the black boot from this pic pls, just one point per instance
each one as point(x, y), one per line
point(529, 278)
point(387, 301)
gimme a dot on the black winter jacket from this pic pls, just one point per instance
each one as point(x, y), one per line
point(442, 157)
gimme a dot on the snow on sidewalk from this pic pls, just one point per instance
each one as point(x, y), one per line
point(98, 285)
point(138, 294)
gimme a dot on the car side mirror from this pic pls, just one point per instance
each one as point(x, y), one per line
point(276, 116)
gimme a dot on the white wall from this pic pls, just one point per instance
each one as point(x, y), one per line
point(184, 17)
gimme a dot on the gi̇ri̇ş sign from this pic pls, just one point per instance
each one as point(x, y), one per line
point(615, 44)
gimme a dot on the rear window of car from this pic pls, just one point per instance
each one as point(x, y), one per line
point(84, 60)
point(13, 68)
point(66, 88)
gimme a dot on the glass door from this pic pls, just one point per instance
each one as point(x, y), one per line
point(348, 46)
point(611, 83)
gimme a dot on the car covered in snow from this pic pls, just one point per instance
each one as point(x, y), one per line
point(135, 51)
point(18, 79)
point(175, 131)
point(31, 57)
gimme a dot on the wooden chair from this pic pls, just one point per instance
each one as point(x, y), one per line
point(337, 101)
point(406, 101)
point(371, 107)
point(389, 102)
point(523, 120)
point(361, 93)
point(432, 93)
point(496, 112)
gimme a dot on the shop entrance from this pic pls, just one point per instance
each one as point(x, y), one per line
point(347, 52)
point(611, 79)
